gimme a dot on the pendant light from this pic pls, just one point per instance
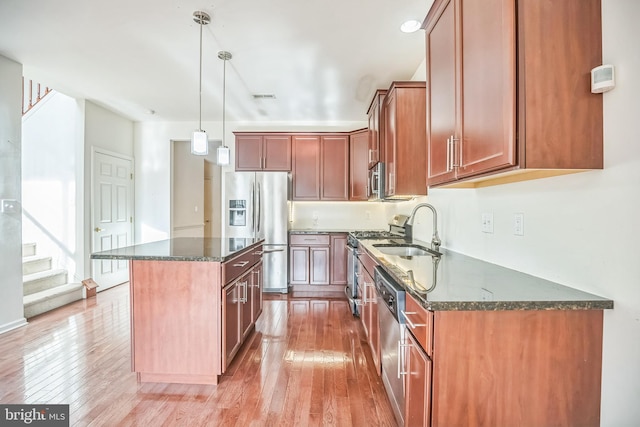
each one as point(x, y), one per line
point(223, 150)
point(199, 139)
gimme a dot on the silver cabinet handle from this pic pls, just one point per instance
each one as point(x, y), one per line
point(411, 324)
point(401, 367)
point(241, 264)
point(453, 153)
point(449, 167)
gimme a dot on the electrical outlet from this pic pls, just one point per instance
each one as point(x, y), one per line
point(487, 222)
point(518, 224)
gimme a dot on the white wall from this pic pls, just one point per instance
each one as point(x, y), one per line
point(11, 311)
point(580, 230)
point(102, 129)
point(52, 168)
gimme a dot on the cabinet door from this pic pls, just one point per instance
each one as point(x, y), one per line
point(231, 323)
point(299, 268)
point(249, 152)
point(376, 129)
point(374, 323)
point(256, 292)
point(319, 265)
point(334, 183)
point(358, 165)
point(441, 96)
point(277, 153)
point(246, 310)
point(417, 385)
point(390, 143)
point(366, 306)
point(306, 167)
point(488, 92)
point(339, 254)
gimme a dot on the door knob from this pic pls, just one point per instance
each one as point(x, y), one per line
point(98, 229)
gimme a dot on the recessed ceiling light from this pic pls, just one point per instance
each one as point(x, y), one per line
point(410, 26)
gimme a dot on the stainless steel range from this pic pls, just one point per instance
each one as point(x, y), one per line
point(396, 229)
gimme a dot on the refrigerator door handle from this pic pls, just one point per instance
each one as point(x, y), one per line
point(259, 209)
point(253, 209)
point(272, 250)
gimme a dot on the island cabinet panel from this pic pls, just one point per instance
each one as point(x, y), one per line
point(175, 322)
point(231, 337)
point(493, 106)
point(256, 291)
point(358, 165)
point(263, 152)
point(498, 368)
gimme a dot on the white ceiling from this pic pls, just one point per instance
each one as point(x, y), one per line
point(323, 59)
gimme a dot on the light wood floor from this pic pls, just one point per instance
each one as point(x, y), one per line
point(306, 364)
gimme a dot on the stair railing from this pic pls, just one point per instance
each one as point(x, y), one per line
point(28, 102)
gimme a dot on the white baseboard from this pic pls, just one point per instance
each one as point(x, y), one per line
point(12, 325)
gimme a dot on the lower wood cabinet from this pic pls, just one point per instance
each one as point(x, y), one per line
point(417, 384)
point(506, 367)
point(369, 308)
point(241, 306)
point(318, 259)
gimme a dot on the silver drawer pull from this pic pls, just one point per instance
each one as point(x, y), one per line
point(411, 324)
point(241, 264)
point(258, 253)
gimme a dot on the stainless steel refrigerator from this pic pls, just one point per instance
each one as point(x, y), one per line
point(256, 207)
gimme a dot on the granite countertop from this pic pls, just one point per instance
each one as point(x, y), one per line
point(181, 249)
point(314, 231)
point(461, 282)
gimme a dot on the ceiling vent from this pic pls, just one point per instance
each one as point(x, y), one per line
point(264, 96)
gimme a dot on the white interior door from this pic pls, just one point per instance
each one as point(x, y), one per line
point(112, 225)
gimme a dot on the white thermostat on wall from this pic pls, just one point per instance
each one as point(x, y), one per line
point(603, 79)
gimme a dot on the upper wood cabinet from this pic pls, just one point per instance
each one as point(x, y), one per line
point(509, 90)
point(358, 170)
point(376, 129)
point(263, 152)
point(306, 167)
point(405, 140)
point(320, 167)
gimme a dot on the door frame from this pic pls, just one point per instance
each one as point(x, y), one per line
point(92, 197)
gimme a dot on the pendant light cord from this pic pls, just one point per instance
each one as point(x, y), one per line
point(224, 98)
point(200, 83)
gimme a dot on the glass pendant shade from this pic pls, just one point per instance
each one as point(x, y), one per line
point(199, 143)
point(223, 156)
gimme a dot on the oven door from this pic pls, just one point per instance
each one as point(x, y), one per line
point(351, 290)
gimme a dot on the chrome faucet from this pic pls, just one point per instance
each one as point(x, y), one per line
point(435, 239)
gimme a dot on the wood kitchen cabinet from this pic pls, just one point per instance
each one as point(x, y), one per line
point(309, 259)
point(358, 164)
point(375, 152)
point(509, 90)
point(405, 145)
point(320, 169)
point(339, 254)
point(231, 318)
point(504, 367)
point(334, 171)
point(256, 292)
point(263, 152)
point(369, 307)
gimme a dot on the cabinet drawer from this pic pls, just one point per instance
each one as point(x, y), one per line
point(367, 261)
point(309, 239)
point(420, 323)
point(234, 267)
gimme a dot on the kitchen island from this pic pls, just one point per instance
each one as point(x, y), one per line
point(193, 301)
point(487, 345)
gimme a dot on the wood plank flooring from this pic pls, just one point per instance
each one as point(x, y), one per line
point(306, 364)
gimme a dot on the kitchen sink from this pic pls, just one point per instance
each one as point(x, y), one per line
point(404, 249)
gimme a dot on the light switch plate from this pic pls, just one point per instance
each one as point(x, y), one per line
point(487, 222)
point(9, 206)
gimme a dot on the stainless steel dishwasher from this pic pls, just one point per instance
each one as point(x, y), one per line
point(391, 301)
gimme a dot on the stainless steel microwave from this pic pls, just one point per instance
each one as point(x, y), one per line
point(375, 186)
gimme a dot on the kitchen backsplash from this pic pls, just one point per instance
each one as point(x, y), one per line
point(337, 216)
